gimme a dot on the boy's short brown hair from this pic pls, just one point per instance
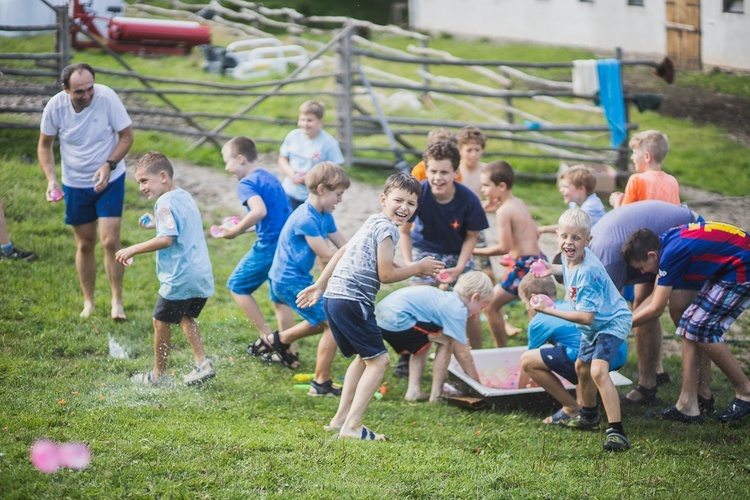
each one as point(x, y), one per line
point(639, 244)
point(154, 162)
point(442, 150)
point(500, 171)
point(328, 173)
point(474, 282)
point(470, 134)
point(311, 107)
point(580, 176)
point(652, 141)
point(532, 285)
point(441, 134)
point(242, 145)
point(403, 181)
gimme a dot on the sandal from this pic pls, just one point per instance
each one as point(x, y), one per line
point(281, 353)
point(558, 418)
point(261, 346)
point(672, 413)
point(648, 396)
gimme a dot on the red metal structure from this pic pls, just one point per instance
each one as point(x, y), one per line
point(131, 34)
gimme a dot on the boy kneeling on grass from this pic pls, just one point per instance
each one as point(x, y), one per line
point(410, 318)
point(182, 266)
point(602, 316)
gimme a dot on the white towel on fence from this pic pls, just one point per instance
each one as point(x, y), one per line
point(585, 77)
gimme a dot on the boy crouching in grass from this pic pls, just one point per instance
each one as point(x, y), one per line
point(413, 317)
point(182, 266)
point(602, 316)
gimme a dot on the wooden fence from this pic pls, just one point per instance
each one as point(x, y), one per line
point(370, 132)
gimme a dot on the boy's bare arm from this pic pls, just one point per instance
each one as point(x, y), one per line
point(151, 245)
point(310, 295)
point(319, 245)
point(337, 239)
point(467, 249)
point(462, 352)
point(256, 214)
point(578, 317)
point(405, 242)
point(285, 166)
point(389, 273)
point(504, 236)
point(654, 306)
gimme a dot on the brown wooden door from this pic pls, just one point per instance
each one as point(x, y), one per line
point(684, 33)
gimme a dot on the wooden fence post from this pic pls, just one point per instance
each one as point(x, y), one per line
point(344, 90)
point(63, 39)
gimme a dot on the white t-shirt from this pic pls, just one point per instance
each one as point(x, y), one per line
point(86, 138)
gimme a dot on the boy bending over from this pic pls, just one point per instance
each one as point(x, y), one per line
point(604, 319)
point(412, 317)
point(351, 280)
point(182, 266)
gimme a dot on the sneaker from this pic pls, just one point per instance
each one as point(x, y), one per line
point(615, 441)
point(402, 367)
point(200, 374)
point(582, 422)
point(672, 413)
point(17, 254)
point(737, 410)
point(325, 389)
point(147, 378)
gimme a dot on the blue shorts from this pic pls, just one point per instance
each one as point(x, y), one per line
point(450, 259)
point(172, 311)
point(558, 361)
point(716, 307)
point(281, 293)
point(252, 271)
point(605, 347)
point(354, 328)
point(84, 205)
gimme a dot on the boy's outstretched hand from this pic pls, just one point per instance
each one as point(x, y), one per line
point(429, 266)
point(124, 255)
point(309, 296)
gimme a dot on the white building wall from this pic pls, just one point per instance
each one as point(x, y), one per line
point(601, 25)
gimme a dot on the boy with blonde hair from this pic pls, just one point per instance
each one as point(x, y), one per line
point(413, 317)
point(304, 237)
point(304, 148)
point(604, 319)
point(182, 266)
point(351, 281)
point(577, 185)
point(649, 182)
point(267, 209)
point(517, 236)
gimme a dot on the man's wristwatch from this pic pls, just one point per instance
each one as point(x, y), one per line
point(112, 164)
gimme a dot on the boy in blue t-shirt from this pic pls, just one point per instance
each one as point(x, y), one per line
point(304, 148)
point(304, 238)
point(716, 255)
point(182, 266)
point(602, 316)
point(412, 318)
point(539, 363)
point(267, 209)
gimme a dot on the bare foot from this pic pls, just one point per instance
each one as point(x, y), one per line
point(420, 396)
point(88, 308)
point(511, 330)
point(118, 312)
point(363, 434)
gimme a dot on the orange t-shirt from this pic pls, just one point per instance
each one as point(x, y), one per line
point(652, 185)
point(420, 172)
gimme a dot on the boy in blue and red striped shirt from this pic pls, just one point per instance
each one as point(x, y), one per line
point(716, 255)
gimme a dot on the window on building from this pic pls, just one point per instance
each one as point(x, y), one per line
point(734, 6)
point(635, 2)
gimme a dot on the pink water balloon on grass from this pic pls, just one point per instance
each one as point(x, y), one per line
point(74, 455)
point(45, 456)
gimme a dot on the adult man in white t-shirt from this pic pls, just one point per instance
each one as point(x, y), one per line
point(95, 134)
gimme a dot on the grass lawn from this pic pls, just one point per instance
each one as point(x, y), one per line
point(249, 432)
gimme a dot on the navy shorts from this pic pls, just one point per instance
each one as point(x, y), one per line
point(557, 361)
point(84, 205)
point(172, 311)
point(605, 347)
point(252, 271)
point(354, 328)
point(414, 340)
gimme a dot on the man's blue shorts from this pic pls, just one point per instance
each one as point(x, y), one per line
point(354, 328)
point(283, 293)
point(605, 347)
point(84, 205)
point(252, 271)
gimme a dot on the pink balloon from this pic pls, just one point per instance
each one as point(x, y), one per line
point(45, 456)
point(128, 262)
point(55, 195)
point(75, 455)
point(541, 298)
point(444, 276)
point(538, 268)
point(216, 231)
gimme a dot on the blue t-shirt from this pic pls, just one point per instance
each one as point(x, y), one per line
point(403, 308)
point(593, 206)
point(294, 258)
point(303, 154)
point(590, 289)
point(544, 328)
point(261, 182)
point(441, 228)
point(702, 250)
point(184, 268)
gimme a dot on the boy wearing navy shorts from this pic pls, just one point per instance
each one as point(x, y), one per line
point(718, 256)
